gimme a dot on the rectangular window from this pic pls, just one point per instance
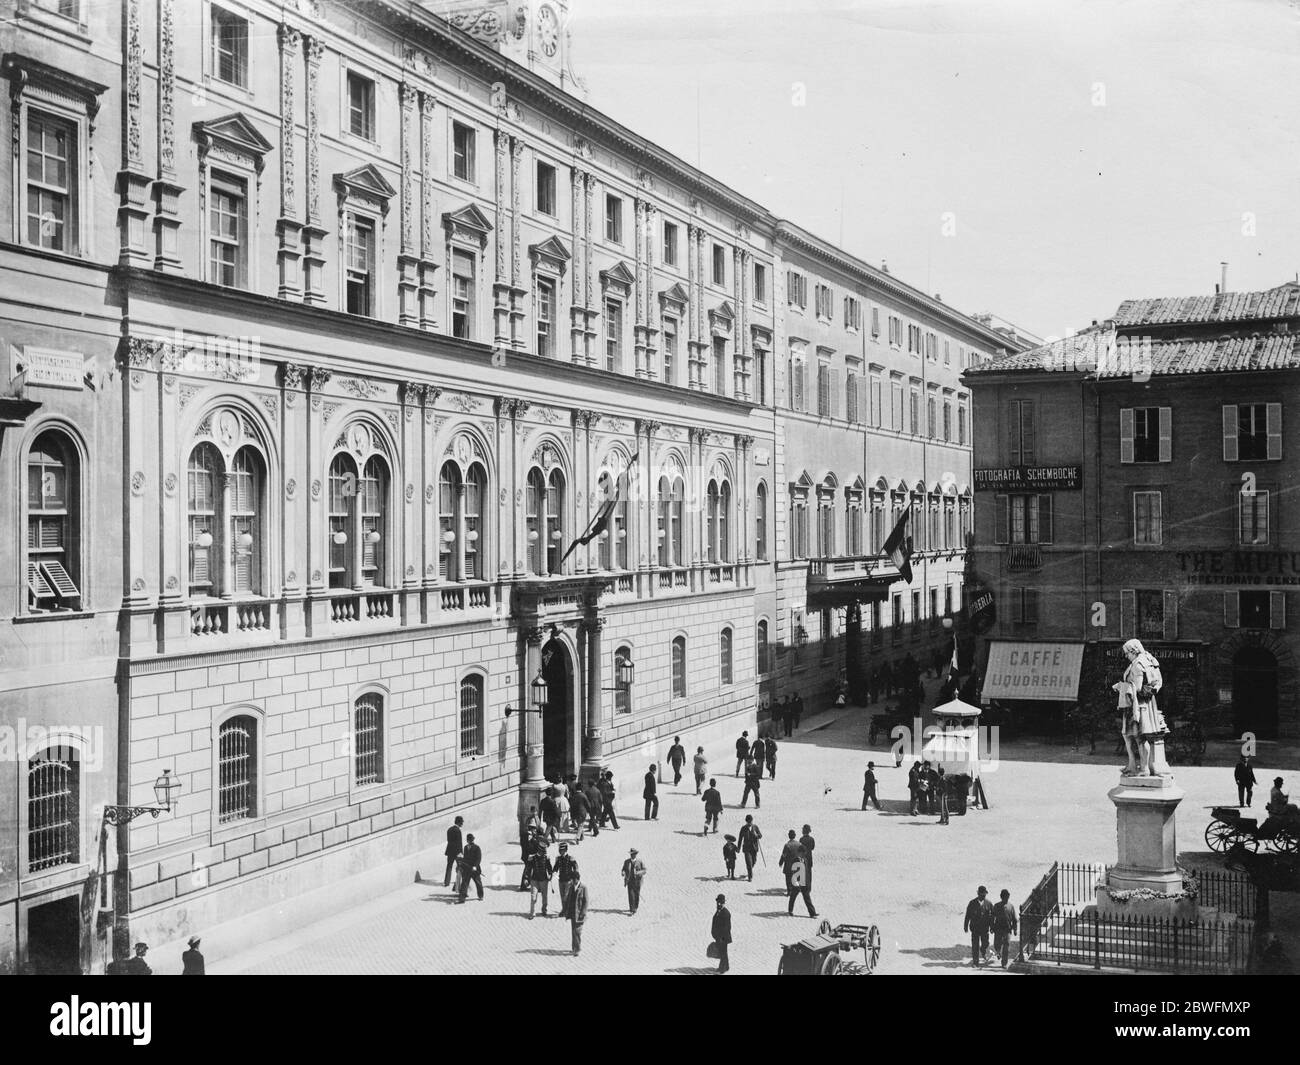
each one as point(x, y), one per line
point(825, 299)
point(875, 321)
point(719, 265)
point(546, 318)
point(1024, 606)
point(947, 353)
point(961, 424)
point(824, 390)
point(670, 350)
point(613, 336)
point(796, 384)
point(760, 283)
point(229, 47)
point(227, 232)
point(852, 313)
point(1021, 424)
point(1253, 524)
point(896, 404)
point(931, 417)
point(462, 295)
point(947, 422)
point(1144, 434)
point(545, 189)
point(462, 151)
point(1252, 432)
point(916, 612)
point(760, 375)
point(720, 366)
point(896, 619)
point(1148, 519)
point(670, 244)
point(360, 265)
point(1022, 519)
point(52, 178)
point(361, 106)
point(877, 414)
point(613, 219)
point(796, 286)
point(914, 413)
point(1255, 610)
point(851, 398)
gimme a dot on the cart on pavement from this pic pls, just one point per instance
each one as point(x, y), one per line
point(828, 953)
point(1279, 832)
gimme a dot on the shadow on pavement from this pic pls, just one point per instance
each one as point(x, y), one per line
point(690, 970)
point(507, 913)
point(716, 879)
point(550, 952)
point(957, 957)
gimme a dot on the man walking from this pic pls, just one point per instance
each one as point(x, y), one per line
point(753, 779)
point(771, 758)
point(192, 960)
point(633, 874)
point(712, 807)
point(758, 752)
point(869, 787)
point(651, 796)
point(721, 933)
point(1004, 923)
point(540, 872)
point(677, 759)
point(471, 868)
point(791, 855)
point(550, 811)
point(453, 849)
point(566, 868)
point(579, 810)
point(701, 768)
point(914, 785)
point(575, 909)
point(596, 805)
point(941, 792)
point(742, 751)
point(1245, 777)
point(798, 881)
point(798, 709)
point(979, 915)
point(809, 845)
point(787, 715)
point(608, 793)
point(137, 966)
point(750, 834)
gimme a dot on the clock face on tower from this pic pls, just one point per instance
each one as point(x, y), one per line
point(548, 29)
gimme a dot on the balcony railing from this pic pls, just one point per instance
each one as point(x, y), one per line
point(1022, 557)
point(217, 619)
point(368, 606)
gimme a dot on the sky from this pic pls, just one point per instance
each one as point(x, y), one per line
point(1042, 160)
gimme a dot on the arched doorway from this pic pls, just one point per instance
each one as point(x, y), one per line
point(557, 722)
point(1254, 692)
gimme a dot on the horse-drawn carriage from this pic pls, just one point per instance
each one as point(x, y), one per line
point(1279, 832)
point(825, 953)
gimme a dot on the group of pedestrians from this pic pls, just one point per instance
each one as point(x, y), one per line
point(787, 713)
point(982, 917)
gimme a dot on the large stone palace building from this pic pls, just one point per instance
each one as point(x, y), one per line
point(330, 327)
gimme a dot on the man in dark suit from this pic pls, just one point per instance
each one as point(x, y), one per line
point(758, 752)
point(753, 781)
point(1004, 923)
point(1245, 777)
point(192, 960)
point(596, 804)
point(608, 794)
point(742, 751)
point(575, 909)
point(791, 853)
point(809, 845)
point(750, 834)
point(798, 709)
point(137, 966)
point(712, 806)
point(633, 874)
point(721, 933)
point(869, 787)
point(453, 849)
point(579, 810)
point(771, 758)
point(677, 759)
point(651, 796)
point(471, 868)
point(979, 916)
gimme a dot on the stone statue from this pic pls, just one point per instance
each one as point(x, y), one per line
point(1141, 723)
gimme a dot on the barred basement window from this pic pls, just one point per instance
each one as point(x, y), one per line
point(53, 809)
point(237, 769)
point(622, 695)
point(724, 656)
point(368, 738)
point(760, 644)
point(679, 667)
point(471, 716)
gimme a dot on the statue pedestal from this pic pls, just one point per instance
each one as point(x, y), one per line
point(1148, 851)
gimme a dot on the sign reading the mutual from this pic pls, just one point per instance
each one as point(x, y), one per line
point(1027, 670)
point(1029, 478)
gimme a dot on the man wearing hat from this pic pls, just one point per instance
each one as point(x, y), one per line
point(471, 868)
point(722, 933)
point(566, 871)
point(869, 787)
point(193, 960)
point(137, 966)
point(633, 874)
point(540, 872)
point(979, 916)
point(575, 908)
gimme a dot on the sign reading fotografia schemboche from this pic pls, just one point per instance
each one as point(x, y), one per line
point(1012, 478)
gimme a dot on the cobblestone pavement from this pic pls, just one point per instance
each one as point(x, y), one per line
point(909, 875)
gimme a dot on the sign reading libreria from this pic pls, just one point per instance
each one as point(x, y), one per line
point(1033, 671)
point(1018, 478)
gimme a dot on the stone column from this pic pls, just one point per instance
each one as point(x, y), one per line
point(639, 288)
point(534, 748)
point(287, 227)
point(132, 180)
point(428, 250)
point(594, 749)
point(313, 233)
point(501, 234)
point(408, 262)
point(297, 484)
point(317, 505)
point(166, 191)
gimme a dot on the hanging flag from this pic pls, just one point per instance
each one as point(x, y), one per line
point(898, 548)
point(600, 522)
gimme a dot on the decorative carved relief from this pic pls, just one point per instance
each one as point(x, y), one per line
point(463, 402)
point(290, 488)
point(271, 404)
point(315, 494)
point(410, 492)
point(169, 484)
point(137, 482)
point(166, 87)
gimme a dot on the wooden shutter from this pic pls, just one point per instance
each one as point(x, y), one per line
point(833, 394)
point(1229, 432)
point(1277, 610)
point(1126, 435)
point(1031, 606)
point(1274, 423)
point(1231, 610)
point(1127, 612)
point(1171, 615)
point(1027, 442)
point(1013, 426)
point(1044, 519)
point(1166, 434)
point(1002, 520)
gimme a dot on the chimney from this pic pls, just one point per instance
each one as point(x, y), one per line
point(1223, 282)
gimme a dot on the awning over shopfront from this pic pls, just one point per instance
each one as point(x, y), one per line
point(1024, 669)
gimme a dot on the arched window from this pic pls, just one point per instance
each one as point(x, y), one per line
point(237, 769)
point(536, 517)
point(368, 738)
point(826, 520)
point(554, 521)
point(760, 524)
point(226, 527)
point(724, 656)
point(53, 523)
point(471, 716)
point(53, 809)
point(711, 527)
point(449, 489)
point(358, 522)
point(472, 517)
point(460, 510)
point(672, 489)
point(613, 539)
point(724, 523)
point(545, 521)
point(679, 667)
point(622, 695)
point(760, 643)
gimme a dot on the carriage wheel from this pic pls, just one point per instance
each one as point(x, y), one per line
point(824, 929)
point(1219, 836)
point(831, 965)
point(1284, 843)
point(872, 948)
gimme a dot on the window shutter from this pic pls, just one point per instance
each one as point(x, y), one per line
point(1230, 432)
point(1231, 610)
point(1274, 431)
point(832, 404)
point(1277, 610)
point(199, 564)
point(1031, 605)
point(1002, 523)
point(1013, 426)
point(1044, 519)
point(1027, 432)
point(1126, 435)
point(1166, 434)
point(1171, 615)
point(1127, 608)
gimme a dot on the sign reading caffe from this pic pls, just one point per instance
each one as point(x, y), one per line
point(1028, 478)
